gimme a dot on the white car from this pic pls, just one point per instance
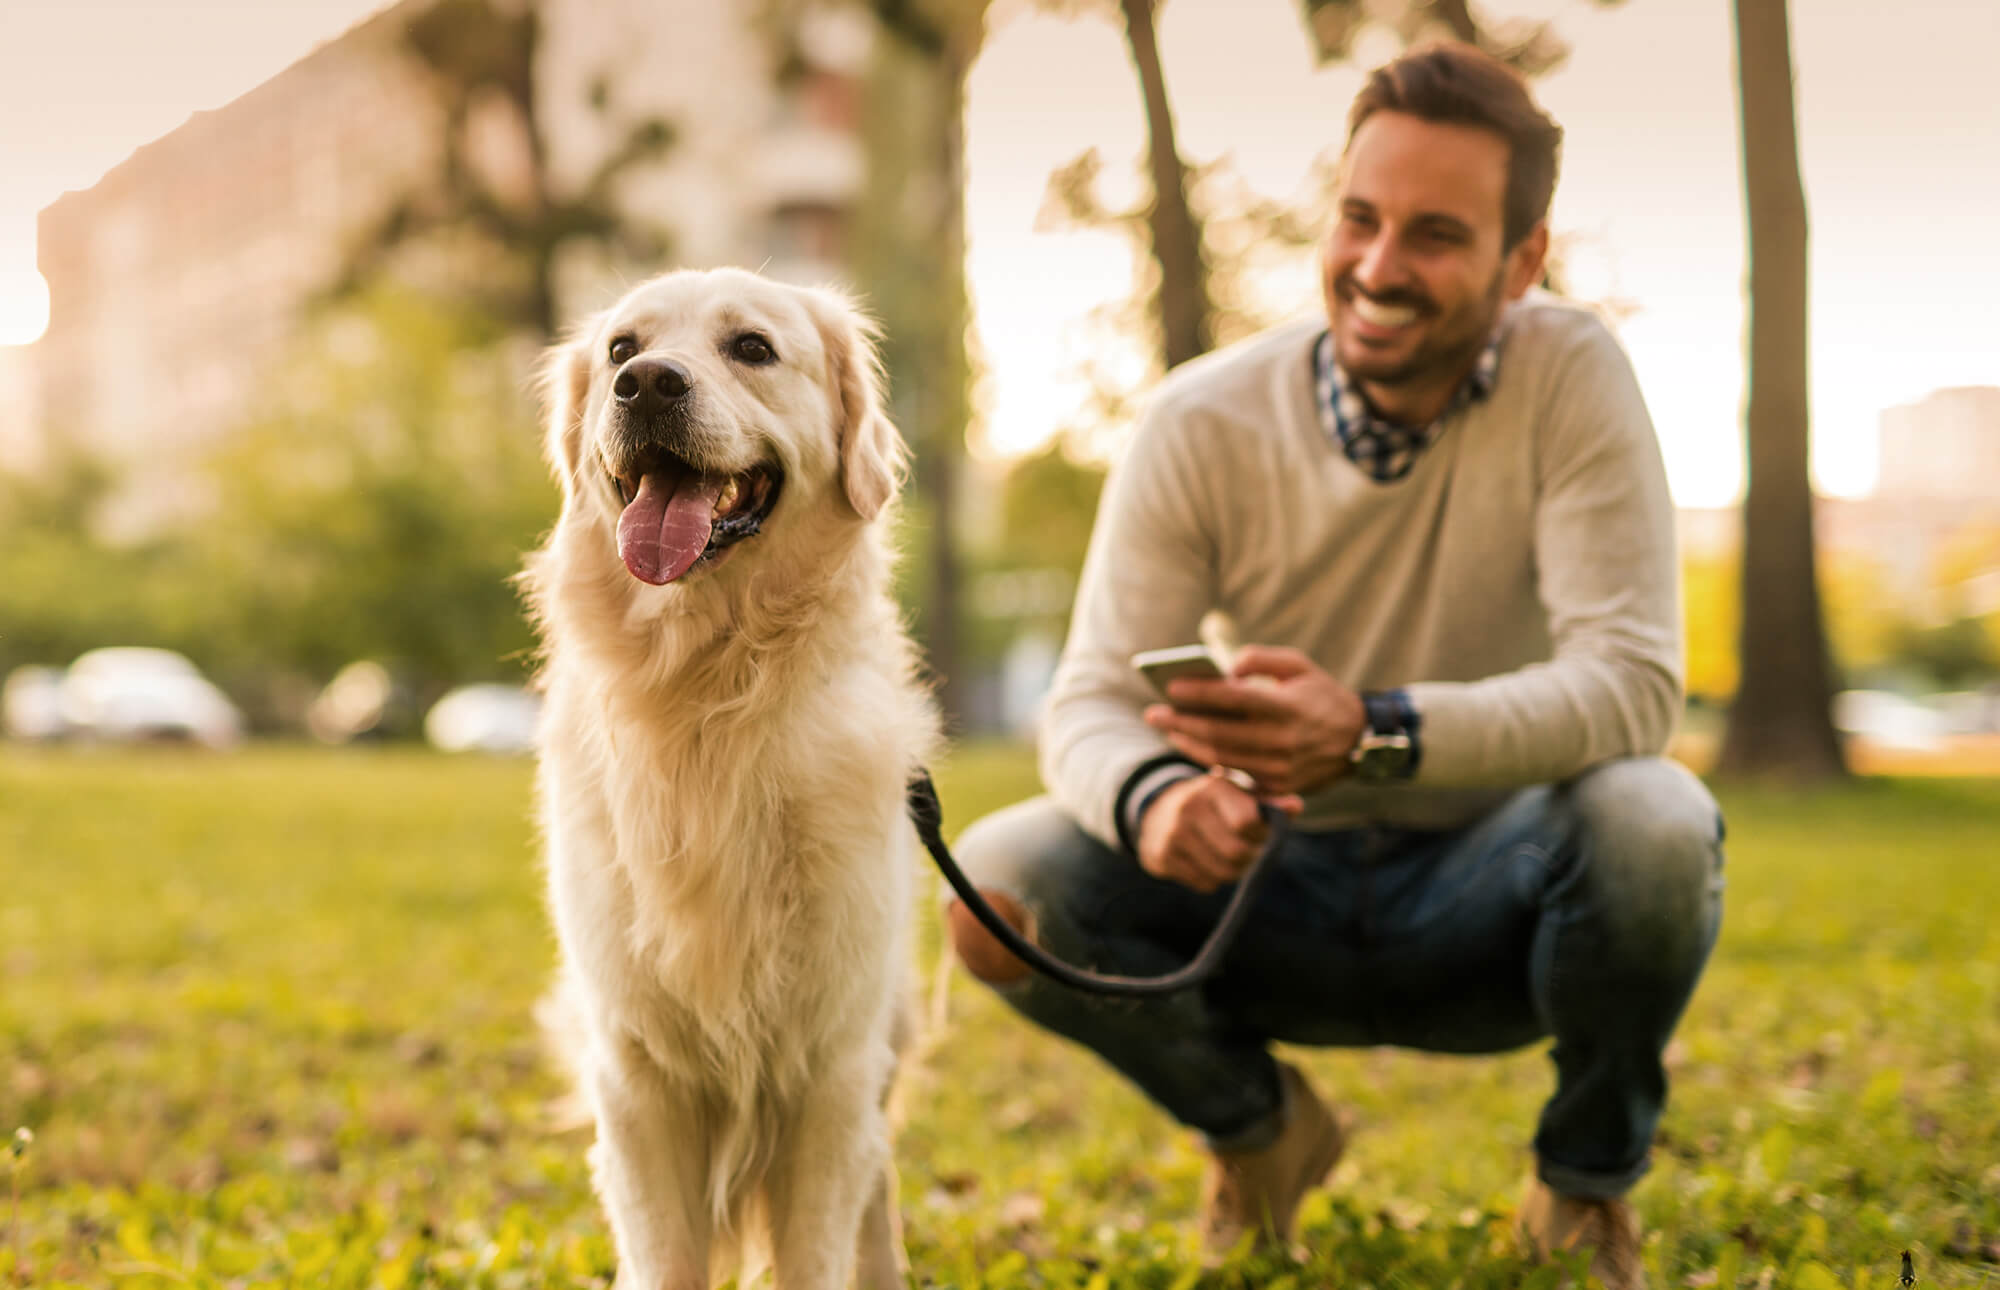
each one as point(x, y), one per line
point(125, 693)
point(1889, 719)
point(484, 718)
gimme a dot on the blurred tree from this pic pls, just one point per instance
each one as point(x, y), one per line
point(503, 207)
point(1186, 329)
point(1952, 655)
point(909, 252)
point(382, 510)
point(1531, 47)
point(1781, 724)
point(1179, 309)
point(62, 591)
point(1710, 600)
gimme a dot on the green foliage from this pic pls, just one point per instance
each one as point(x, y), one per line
point(62, 591)
point(377, 511)
point(1048, 504)
point(381, 512)
point(495, 233)
point(1529, 45)
point(268, 1016)
point(1954, 654)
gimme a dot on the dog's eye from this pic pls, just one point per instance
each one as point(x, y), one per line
point(622, 348)
point(753, 349)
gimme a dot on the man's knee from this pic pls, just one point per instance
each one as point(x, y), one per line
point(1023, 853)
point(1654, 837)
point(983, 953)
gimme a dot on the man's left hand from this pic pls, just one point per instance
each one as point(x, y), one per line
point(1278, 717)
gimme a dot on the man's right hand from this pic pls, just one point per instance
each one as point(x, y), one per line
point(1204, 831)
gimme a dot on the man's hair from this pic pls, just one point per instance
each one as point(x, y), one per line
point(1455, 84)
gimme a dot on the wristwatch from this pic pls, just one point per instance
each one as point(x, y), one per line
point(1388, 748)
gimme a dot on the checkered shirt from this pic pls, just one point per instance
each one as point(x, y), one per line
point(1384, 450)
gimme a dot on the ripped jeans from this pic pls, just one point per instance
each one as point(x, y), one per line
point(1581, 911)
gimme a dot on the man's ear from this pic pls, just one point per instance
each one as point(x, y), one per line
point(872, 453)
point(1525, 261)
point(565, 384)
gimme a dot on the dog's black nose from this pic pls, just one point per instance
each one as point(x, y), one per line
point(651, 384)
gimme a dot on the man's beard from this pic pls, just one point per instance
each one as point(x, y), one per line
point(1439, 356)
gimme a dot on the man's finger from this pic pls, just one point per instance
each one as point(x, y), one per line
point(1239, 815)
point(1275, 661)
point(1290, 803)
point(1228, 853)
point(1257, 737)
point(1236, 700)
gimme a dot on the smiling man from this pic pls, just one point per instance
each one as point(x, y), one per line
point(1440, 513)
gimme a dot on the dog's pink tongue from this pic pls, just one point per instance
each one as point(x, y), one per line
point(663, 530)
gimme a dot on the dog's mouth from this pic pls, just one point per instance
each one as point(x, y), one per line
point(677, 516)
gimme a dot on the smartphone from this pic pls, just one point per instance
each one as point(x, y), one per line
point(1163, 665)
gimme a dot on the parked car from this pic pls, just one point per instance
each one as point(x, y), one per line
point(1889, 719)
point(364, 700)
point(126, 693)
point(31, 703)
point(484, 718)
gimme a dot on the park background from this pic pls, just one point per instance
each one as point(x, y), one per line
point(265, 401)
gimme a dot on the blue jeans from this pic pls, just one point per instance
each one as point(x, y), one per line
point(1581, 911)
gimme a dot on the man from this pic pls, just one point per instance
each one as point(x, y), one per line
point(1440, 515)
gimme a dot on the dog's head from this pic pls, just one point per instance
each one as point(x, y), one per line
point(708, 411)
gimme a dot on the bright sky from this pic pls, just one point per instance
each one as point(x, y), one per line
point(1901, 148)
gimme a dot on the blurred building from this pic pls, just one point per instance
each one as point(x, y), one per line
point(1945, 446)
point(176, 282)
point(1938, 486)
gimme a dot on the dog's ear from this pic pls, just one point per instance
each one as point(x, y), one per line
point(565, 382)
point(872, 454)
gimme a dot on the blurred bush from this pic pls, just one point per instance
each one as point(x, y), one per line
point(375, 509)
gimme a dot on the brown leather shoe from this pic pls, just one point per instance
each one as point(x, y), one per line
point(1552, 1223)
point(1259, 1191)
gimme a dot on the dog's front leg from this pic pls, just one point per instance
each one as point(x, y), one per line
point(829, 1169)
point(881, 1263)
point(651, 1165)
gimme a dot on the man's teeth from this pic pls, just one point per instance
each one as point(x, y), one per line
point(1378, 315)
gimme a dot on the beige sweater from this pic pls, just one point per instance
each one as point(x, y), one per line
point(1521, 580)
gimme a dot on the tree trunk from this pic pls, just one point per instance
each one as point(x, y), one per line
point(946, 432)
point(1780, 725)
point(1186, 314)
point(909, 251)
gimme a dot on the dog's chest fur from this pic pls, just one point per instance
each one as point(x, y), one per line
point(758, 874)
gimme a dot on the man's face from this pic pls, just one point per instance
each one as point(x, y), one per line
point(1413, 269)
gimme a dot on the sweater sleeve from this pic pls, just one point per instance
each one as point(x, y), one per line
point(1609, 582)
point(1148, 577)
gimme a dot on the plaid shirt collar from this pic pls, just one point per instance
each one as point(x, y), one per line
point(1384, 450)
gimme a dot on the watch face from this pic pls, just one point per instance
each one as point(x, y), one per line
point(1382, 756)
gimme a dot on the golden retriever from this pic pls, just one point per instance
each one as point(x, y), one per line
point(732, 712)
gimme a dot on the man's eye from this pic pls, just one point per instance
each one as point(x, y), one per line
point(622, 349)
point(752, 349)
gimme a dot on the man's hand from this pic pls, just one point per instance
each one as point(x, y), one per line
point(1278, 717)
point(1204, 831)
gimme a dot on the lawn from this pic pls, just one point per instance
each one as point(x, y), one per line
point(267, 1016)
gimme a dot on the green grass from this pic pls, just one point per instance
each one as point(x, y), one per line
point(267, 1016)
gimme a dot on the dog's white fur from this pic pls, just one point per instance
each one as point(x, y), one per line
point(723, 767)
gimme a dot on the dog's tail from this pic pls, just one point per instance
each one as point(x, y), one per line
point(559, 1013)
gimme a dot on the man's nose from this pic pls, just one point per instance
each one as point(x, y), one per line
point(1380, 266)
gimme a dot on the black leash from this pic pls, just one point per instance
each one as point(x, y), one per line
point(928, 815)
